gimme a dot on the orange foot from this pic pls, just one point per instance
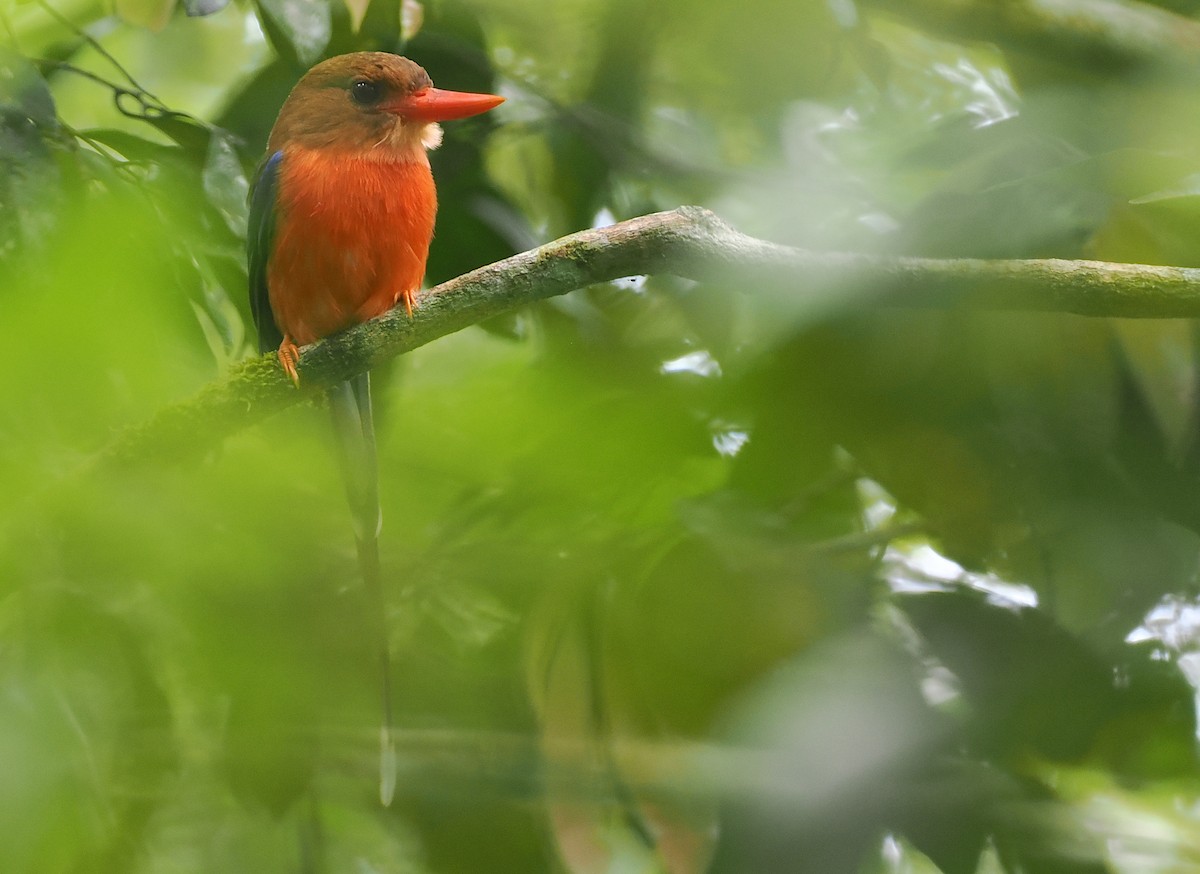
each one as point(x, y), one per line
point(289, 357)
point(410, 299)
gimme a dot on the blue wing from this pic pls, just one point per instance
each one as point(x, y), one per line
point(260, 235)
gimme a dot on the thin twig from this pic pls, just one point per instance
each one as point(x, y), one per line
point(97, 46)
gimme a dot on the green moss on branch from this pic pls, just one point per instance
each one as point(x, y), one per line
point(688, 242)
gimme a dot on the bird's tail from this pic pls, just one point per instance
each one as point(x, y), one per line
point(354, 428)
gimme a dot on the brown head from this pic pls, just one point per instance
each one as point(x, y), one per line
point(374, 103)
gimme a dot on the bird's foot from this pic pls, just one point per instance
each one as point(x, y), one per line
point(409, 296)
point(289, 357)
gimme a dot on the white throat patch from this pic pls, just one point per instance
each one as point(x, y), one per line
point(431, 136)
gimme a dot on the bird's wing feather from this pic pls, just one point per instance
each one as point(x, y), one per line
point(260, 236)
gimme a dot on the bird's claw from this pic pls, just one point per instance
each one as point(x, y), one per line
point(289, 357)
point(409, 297)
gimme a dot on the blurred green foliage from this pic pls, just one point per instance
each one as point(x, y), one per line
point(680, 576)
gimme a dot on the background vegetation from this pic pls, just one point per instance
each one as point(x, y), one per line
point(681, 576)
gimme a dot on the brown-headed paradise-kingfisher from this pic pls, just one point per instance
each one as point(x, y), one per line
point(341, 217)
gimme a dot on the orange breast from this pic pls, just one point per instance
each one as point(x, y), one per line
point(351, 238)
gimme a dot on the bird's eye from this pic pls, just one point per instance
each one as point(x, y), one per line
point(364, 92)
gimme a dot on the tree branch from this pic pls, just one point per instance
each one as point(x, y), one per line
point(1103, 34)
point(689, 242)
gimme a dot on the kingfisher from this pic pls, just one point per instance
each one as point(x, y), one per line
point(342, 213)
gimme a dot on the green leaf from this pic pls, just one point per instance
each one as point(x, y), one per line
point(150, 14)
point(1028, 683)
point(29, 177)
point(299, 30)
point(225, 182)
point(357, 10)
point(200, 8)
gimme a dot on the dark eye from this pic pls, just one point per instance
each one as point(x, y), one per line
point(365, 92)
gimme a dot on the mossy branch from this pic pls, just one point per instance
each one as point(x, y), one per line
point(688, 242)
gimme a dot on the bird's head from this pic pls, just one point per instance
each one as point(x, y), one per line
point(374, 104)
